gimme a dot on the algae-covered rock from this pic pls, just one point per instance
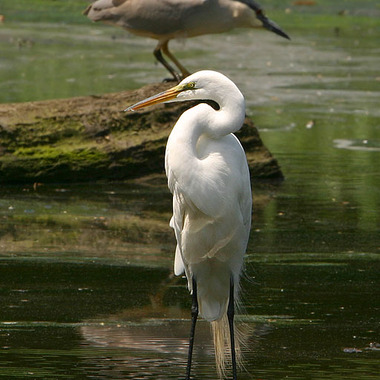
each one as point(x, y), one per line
point(91, 138)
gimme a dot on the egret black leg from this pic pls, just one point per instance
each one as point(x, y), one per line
point(194, 316)
point(231, 315)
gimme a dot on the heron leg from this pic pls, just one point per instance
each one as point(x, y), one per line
point(194, 316)
point(231, 315)
point(158, 54)
point(167, 52)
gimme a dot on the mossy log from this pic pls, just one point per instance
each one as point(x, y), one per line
point(91, 138)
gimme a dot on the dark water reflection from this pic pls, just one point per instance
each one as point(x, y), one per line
point(314, 318)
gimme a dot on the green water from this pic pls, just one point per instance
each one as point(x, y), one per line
point(86, 290)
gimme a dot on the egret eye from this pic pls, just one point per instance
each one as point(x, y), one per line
point(190, 86)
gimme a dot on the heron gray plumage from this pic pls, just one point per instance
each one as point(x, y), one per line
point(164, 20)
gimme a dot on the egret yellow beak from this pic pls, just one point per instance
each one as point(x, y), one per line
point(164, 96)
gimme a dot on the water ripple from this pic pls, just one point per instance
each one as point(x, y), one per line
point(361, 145)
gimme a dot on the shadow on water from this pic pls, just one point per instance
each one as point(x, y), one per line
point(86, 288)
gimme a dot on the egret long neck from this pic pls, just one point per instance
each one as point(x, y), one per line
point(181, 151)
point(204, 119)
point(182, 142)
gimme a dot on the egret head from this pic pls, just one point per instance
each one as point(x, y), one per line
point(202, 85)
point(225, 110)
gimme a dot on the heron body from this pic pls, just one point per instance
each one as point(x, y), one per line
point(209, 178)
point(164, 20)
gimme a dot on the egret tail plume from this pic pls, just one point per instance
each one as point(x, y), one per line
point(222, 345)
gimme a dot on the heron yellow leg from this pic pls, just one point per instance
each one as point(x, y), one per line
point(165, 48)
point(160, 58)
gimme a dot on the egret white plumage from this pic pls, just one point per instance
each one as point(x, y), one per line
point(164, 20)
point(209, 178)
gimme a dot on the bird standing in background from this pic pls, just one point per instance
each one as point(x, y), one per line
point(164, 20)
point(209, 178)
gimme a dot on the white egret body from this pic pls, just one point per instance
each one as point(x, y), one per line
point(164, 20)
point(209, 178)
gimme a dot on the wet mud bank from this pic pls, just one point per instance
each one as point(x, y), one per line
point(91, 138)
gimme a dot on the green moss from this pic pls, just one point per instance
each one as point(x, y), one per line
point(45, 132)
point(46, 164)
point(77, 155)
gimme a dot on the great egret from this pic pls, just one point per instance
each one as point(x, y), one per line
point(209, 178)
point(164, 20)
